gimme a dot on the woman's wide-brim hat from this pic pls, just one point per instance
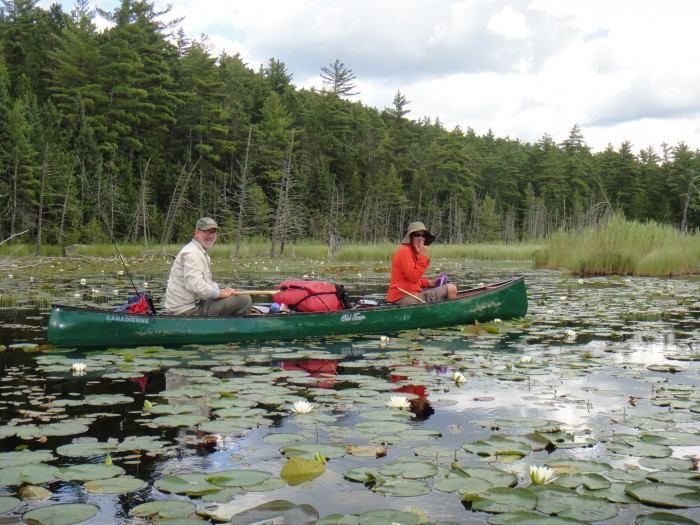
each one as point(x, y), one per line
point(417, 227)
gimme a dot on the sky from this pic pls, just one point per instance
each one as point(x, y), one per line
point(622, 70)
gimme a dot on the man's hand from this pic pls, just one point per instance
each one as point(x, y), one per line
point(226, 292)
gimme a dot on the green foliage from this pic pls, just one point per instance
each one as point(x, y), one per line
point(140, 128)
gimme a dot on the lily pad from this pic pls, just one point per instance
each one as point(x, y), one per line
point(502, 499)
point(361, 475)
point(107, 399)
point(86, 449)
point(664, 494)
point(33, 493)
point(663, 518)
point(526, 422)
point(120, 485)
point(142, 443)
point(495, 476)
point(278, 511)
point(409, 469)
point(187, 484)
point(462, 484)
point(89, 471)
point(401, 487)
point(590, 480)
point(298, 470)
point(62, 514)
point(238, 478)
point(24, 457)
point(497, 445)
point(32, 474)
point(567, 503)
point(327, 451)
point(563, 466)
point(282, 438)
point(179, 420)
point(8, 503)
point(165, 508)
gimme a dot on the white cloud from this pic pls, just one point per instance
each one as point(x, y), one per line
point(622, 70)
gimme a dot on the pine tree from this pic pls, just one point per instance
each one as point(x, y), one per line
point(338, 79)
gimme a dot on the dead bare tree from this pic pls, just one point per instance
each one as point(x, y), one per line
point(692, 188)
point(333, 220)
point(40, 211)
point(66, 197)
point(283, 220)
point(141, 218)
point(13, 236)
point(176, 201)
point(242, 194)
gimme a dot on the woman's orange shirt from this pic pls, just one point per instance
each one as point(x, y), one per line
point(407, 269)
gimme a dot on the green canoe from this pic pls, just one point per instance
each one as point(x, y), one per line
point(90, 327)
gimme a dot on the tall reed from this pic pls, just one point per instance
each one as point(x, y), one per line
point(623, 247)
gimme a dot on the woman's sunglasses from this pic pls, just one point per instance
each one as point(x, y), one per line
point(424, 235)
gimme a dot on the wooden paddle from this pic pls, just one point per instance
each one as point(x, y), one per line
point(410, 295)
point(255, 292)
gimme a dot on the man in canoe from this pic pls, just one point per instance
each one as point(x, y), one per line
point(191, 290)
point(409, 263)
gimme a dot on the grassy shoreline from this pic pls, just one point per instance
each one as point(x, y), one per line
point(615, 247)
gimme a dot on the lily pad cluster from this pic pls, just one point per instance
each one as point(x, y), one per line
point(603, 404)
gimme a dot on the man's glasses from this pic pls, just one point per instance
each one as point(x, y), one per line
point(423, 235)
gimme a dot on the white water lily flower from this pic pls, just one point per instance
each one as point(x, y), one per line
point(302, 407)
point(497, 320)
point(398, 402)
point(570, 334)
point(120, 272)
point(526, 359)
point(83, 282)
point(76, 295)
point(79, 367)
point(459, 377)
point(384, 339)
point(95, 291)
point(541, 475)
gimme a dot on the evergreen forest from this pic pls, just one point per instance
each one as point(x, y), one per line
point(134, 131)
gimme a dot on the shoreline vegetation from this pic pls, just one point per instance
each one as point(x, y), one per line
point(617, 246)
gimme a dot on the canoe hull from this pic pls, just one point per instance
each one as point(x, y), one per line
point(86, 327)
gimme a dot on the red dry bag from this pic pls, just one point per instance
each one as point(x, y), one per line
point(309, 296)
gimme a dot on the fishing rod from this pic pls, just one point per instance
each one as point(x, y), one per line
point(106, 227)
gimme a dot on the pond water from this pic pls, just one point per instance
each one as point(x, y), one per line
point(599, 383)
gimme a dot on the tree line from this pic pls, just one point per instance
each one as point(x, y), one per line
point(134, 131)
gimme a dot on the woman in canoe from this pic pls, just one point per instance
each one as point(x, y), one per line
point(409, 263)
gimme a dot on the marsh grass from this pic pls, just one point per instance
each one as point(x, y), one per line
point(616, 247)
point(623, 247)
point(260, 249)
